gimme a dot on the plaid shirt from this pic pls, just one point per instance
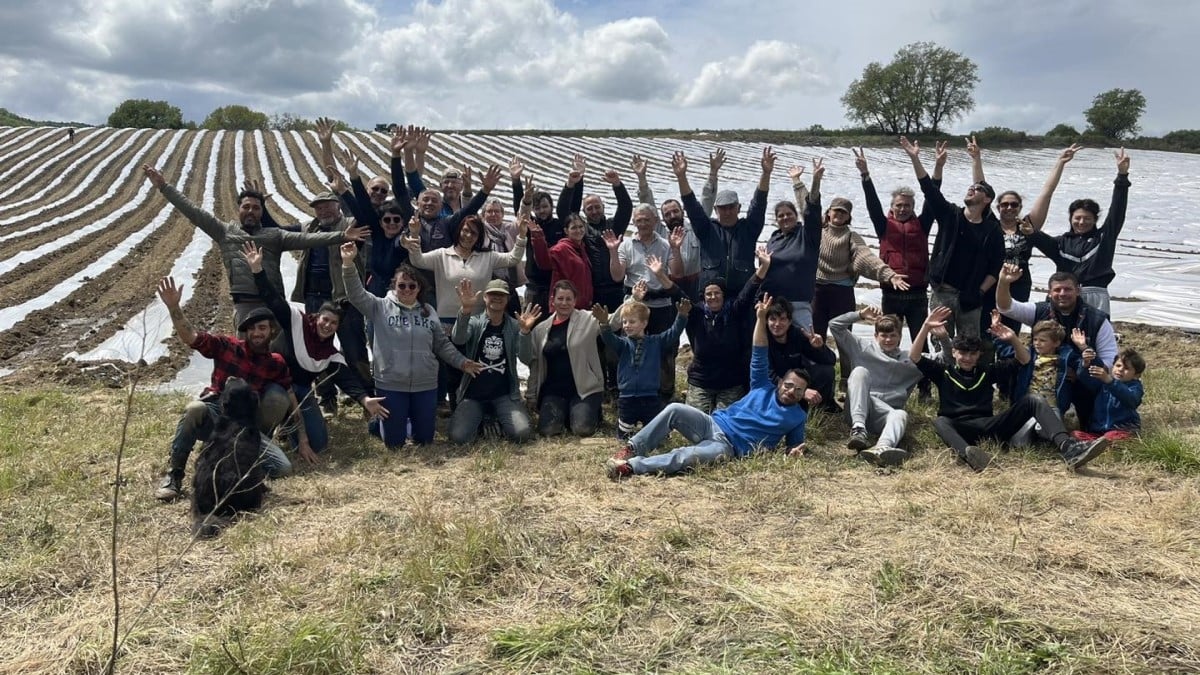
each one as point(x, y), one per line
point(232, 358)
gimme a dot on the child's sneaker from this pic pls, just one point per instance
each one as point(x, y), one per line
point(617, 468)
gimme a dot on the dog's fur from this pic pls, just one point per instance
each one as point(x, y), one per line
point(229, 475)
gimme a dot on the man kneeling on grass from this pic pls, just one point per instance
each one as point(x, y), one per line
point(965, 394)
point(757, 421)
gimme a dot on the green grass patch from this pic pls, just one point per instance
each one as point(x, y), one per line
point(310, 646)
point(1167, 450)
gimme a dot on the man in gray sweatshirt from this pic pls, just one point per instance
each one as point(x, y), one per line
point(878, 387)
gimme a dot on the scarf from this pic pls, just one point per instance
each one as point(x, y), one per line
point(312, 352)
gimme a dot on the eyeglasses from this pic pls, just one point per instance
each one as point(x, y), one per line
point(391, 219)
point(402, 286)
point(379, 188)
point(1010, 205)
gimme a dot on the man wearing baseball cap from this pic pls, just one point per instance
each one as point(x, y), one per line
point(249, 359)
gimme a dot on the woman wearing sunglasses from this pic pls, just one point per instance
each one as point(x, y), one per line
point(407, 343)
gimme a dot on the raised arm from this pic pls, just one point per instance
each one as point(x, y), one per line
point(270, 295)
point(645, 195)
point(171, 296)
point(1115, 219)
point(708, 193)
point(624, 212)
point(202, 219)
point(874, 207)
point(1041, 206)
point(976, 155)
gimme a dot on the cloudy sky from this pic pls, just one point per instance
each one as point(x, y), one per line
point(780, 64)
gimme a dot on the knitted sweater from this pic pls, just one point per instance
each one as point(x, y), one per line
point(845, 256)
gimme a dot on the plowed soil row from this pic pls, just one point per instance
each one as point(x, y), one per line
point(52, 184)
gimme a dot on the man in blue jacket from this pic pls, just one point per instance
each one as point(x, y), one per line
point(758, 421)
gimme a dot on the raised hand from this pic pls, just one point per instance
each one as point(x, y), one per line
point(170, 294)
point(972, 147)
point(401, 140)
point(349, 161)
point(640, 289)
point(325, 130)
point(357, 233)
point(526, 225)
point(764, 257)
point(467, 297)
point(612, 241)
point(530, 188)
point(941, 152)
point(1010, 272)
point(818, 170)
point(574, 177)
point(154, 175)
point(638, 164)
point(796, 172)
point(409, 240)
point(253, 256)
point(1079, 339)
point(335, 182)
point(936, 321)
point(255, 185)
point(685, 307)
point(612, 177)
point(600, 313)
point(860, 161)
point(716, 160)
point(679, 164)
point(349, 252)
point(676, 237)
point(528, 317)
point(761, 307)
point(515, 168)
point(579, 163)
point(1069, 153)
point(490, 179)
point(768, 160)
point(1002, 332)
point(911, 148)
point(1088, 356)
point(814, 339)
point(654, 264)
point(1100, 373)
point(1122, 162)
point(424, 136)
point(870, 313)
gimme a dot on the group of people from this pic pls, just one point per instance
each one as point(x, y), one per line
point(432, 287)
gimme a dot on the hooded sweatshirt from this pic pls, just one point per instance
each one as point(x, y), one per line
point(892, 375)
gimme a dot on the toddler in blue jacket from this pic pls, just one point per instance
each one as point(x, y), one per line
point(1119, 392)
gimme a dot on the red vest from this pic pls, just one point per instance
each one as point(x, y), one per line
point(905, 248)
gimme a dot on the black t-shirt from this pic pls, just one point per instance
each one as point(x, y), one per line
point(966, 394)
point(492, 382)
point(560, 381)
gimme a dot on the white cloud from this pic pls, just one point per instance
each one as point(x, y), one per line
point(767, 70)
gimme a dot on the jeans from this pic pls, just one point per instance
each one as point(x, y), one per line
point(581, 415)
point(200, 417)
point(871, 412)
point(802, 314)
point(829, 301)
point(961, 322)
point(311, 417)
point(513, 418)
point(709, 444)
point(634, 410)
point(708, 400)
point(418, 407)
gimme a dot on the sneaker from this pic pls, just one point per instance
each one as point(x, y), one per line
point(171, 487)
point(329, 407)
point(891, 456)
point(1078, 453)
point(976, 458)
point(617, 468)
point(624, 453)
point(858, 439)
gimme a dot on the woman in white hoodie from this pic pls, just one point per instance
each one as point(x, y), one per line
point(407, 343)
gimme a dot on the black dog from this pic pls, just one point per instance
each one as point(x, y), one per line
point(229, 474)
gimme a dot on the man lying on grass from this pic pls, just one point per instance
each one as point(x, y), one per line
point(757, 421)
point(965, 393)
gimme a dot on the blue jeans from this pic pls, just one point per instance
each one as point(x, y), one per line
point(200, 417)
point(418, 407)
point(513, 418)
point(709, 443)
point(314, 422)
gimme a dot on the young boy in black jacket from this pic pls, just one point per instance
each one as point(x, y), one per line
point(965, 394)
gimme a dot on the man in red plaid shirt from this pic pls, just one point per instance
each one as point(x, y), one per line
point(250, 360)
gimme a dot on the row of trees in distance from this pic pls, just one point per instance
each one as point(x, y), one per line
point(147, 114)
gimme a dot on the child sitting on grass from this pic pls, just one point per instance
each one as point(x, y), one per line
point(965, 399)
point(638, 354)
point(1118, 395)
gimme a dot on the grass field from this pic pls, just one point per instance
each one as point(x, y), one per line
point(499, 558)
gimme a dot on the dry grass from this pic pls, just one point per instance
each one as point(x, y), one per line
point(501, 558)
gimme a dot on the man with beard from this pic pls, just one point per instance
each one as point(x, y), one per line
point(251, 360)
point(685, 247)
point(230, 237)
point(1064, 306)
point(967, 252)
point(605, 290)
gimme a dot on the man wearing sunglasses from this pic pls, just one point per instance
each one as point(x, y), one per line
point(756, 422)
point(967, 252)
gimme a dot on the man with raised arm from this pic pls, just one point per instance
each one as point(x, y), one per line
point(250, 360)
point(685, 247)
point(232, 236)
point(968, 249)
point(1069, 310)
point(757, 422)
point(727, 243)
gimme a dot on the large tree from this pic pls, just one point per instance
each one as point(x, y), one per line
point(236, 118)
point(1115, 113)
point(923, 88)
point(146, 114)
